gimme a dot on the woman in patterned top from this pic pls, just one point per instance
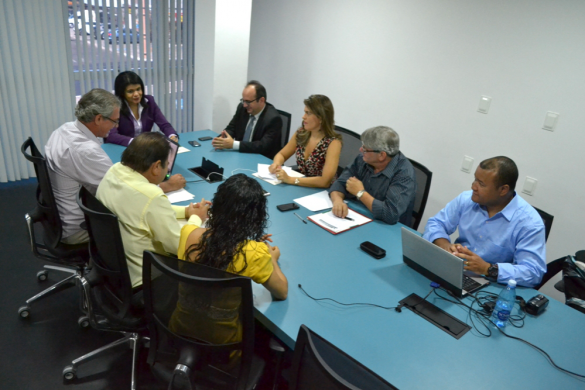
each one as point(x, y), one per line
point(316, 145)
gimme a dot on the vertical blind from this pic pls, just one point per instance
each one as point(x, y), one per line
point(54, 51)
point(34, 79)
point(154, 38)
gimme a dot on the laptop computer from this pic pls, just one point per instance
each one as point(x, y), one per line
point(172, 156)
point(439, 265)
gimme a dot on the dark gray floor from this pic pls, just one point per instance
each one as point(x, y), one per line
point(34, 351)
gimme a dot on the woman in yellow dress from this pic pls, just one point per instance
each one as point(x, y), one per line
point(233, 241)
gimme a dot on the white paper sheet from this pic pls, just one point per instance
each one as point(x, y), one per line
point(264, 174)
point(181, 195)
point(316, 202)
point(182, 150)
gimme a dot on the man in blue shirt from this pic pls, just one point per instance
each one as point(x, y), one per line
point(381, 177)
point(500, 234)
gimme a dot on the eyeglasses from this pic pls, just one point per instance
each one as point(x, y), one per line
point(116, 123)
point(248, 102)
point(364, 150)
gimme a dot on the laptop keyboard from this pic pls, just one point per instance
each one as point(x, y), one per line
point(469, 284)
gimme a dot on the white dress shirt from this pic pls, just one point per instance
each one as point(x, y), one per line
point(75, 158)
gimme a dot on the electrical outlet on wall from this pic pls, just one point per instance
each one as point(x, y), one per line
point(467, 164)
point(529, 185)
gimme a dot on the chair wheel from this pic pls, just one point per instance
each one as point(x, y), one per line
point(83, 322)
point(24, 312)
point(42, 275)
point(69, 373)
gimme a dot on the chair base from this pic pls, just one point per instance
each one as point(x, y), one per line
point(130, 339)
point(70, 281)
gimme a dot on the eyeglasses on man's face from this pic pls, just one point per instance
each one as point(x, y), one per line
point(364, 150)
point(248, 102)
point(116, 123)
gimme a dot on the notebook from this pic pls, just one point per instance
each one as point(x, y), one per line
point(172, 156)
point(438, 265)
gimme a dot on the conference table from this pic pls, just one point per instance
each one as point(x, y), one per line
point(403, 348)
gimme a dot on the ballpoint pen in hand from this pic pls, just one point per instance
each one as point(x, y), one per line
point(299, 217)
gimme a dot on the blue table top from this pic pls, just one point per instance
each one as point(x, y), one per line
point(403, 348)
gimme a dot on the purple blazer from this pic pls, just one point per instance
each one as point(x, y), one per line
point(150, 115)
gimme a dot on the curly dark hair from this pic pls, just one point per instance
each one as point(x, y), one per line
point(237, 214)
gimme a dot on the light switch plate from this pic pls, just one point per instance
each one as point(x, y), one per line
point(550, 121)
point(467, 164)
point(484, 104)
point(529, 185)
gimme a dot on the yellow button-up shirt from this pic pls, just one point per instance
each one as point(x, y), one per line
point(147, 219)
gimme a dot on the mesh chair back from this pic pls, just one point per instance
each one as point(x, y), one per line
point(423, 186)
point(46, 211)
point(547, 219)
point(200, 317)
point(286, 119)
point(114, 292)
point(351, 146)
point(319, 365)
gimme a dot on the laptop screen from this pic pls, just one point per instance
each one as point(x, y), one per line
point(172, 156)
point(435, 263)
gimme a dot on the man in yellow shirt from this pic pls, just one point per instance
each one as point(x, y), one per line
point(147, 219)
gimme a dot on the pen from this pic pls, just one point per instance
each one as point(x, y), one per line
point(299, 217)
point(351, 219)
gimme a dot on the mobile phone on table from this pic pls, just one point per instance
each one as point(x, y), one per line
point(204, 138)
point(194, 143)
point(373, 250)
point(287, 206)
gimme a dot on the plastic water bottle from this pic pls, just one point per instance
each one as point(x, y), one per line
point(504, 304)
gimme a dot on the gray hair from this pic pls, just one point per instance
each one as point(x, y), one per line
point(382, 138)
point(96, 102)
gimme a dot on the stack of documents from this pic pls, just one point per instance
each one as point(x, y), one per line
point(181, 195)
point(264, 174)
point(336, 225)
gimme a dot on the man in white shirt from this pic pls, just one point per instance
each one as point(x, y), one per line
point(75, 158)
point(147, 219)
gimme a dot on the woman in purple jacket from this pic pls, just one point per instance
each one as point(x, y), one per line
point(138, 113)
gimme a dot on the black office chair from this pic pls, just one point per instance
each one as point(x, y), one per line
point(423, 186)
point(351, 147)
point(286, 118)
point(185, 305)
point(555, 266)
point(112, 305)
point(72, 259)
point(319, 365)
point(548, 221)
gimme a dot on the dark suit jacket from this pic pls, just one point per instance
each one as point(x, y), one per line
point(267, 133)
point(150, 115)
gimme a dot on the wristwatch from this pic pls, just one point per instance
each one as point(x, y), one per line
point(493, 271)
point(360, 194)
point(297, 181)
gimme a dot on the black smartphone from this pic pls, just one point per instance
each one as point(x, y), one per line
point(373, 250)
point(204, 138)
point(287, 206)
point(194, 143)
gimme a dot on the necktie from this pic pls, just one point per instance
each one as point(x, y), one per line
point(249, 128)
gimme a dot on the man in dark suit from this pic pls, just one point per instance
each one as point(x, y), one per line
point(255, 128)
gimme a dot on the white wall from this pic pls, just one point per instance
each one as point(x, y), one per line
point(232, 38)
point(421, 67)
point(204, 64)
